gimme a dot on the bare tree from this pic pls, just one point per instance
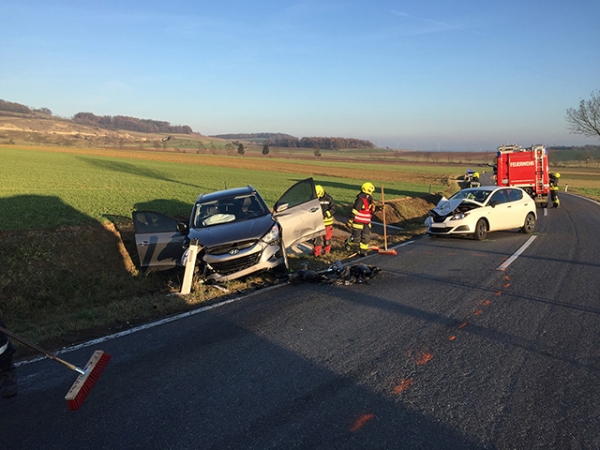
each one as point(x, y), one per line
point(586, 119)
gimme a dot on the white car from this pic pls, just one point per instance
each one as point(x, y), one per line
point(476, 211)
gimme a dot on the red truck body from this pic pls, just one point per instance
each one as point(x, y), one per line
point(526, 168)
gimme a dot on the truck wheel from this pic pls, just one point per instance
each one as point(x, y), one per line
point(481, 229)
point(544, 205)
point(529, 224)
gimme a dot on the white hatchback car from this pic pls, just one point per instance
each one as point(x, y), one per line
point(476, 211)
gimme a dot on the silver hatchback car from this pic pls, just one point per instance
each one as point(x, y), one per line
point(237, 232)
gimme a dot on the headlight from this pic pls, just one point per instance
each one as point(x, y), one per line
point(272, 235)
point(459, 216)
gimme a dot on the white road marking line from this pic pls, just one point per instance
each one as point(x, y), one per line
point(515, 255)
point(146, 326)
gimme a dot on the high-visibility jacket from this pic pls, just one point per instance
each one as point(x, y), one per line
point(328, 208)
point(363, 208)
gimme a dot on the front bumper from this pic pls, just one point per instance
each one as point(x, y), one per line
point(445, 229)
point(258, 258)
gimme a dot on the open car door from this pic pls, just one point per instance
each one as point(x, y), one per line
point(159, 240)
point(299, 214)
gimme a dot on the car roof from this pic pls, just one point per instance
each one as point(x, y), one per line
point(207, 197)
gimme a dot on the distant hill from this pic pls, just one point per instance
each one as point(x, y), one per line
point(104, 122)
point(130, 124)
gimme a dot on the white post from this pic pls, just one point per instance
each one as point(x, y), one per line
point(186, 286)
point(566, 187)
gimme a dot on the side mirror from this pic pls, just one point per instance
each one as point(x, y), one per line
point(182, 227)
point(281, 207)
point(494, 203)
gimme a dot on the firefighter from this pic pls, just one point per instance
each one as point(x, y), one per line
point(323, 243)
point(8, 379)
point(475, 180)
point(554, 189)
point(360, 221)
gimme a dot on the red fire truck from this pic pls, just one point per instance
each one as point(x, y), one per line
point(526, 168)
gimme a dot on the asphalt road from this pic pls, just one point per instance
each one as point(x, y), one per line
point(441, 350)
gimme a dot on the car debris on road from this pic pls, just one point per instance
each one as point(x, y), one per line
point(337, 273)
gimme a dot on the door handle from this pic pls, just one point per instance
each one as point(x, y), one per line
point(315, 209)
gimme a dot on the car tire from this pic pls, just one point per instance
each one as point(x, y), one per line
point(481, 230)
point(280, 271)
point(529, 224)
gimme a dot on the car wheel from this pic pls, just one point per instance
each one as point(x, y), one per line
point(481, 229)
point(280, 271)
point(529, 224)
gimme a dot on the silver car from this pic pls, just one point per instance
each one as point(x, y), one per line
point(477, 211)
point(237, 232)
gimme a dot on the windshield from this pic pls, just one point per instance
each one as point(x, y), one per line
point(228, 209)
point(479, 195)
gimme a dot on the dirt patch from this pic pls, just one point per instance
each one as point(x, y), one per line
point(407, 210)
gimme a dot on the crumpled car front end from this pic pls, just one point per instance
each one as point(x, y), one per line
point(451, 217)
point(239, 250)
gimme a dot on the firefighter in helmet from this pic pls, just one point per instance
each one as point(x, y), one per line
point(554, 177)
point(323, 243)
point(360, 220)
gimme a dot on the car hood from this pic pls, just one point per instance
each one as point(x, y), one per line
point(445, 206)
point(229, 233)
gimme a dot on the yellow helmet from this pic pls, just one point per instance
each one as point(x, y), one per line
point(367, 188)
point(557, 175)
point(320, 190)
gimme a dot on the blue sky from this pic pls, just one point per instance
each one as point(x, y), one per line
point(414, 74)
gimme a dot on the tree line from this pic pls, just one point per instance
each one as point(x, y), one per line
point(130, 124)
point(289, 141)
point(321, 143)
point(254, 136)
point(18, 108)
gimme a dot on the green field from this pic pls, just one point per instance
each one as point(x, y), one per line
point(45, 189)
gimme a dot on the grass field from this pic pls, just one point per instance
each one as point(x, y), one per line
point(45, 189)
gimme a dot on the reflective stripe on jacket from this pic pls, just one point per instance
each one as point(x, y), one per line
point(362, 208)
point(328, 208)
